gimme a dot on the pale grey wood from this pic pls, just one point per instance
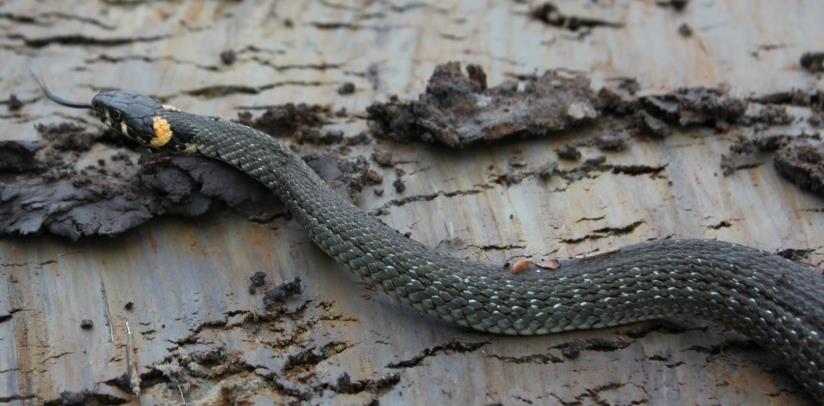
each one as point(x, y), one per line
point(189, 279)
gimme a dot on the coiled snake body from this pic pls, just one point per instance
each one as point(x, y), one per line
point(777, 302)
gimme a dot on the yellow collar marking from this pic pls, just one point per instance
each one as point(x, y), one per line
point(162, 132)
point(169, 107)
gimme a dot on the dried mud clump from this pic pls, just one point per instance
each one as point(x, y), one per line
point(798, 158)
point(548, 13)
point(346, 89)
point(659, 115)
point(18, 156)
point(677, 5)
point(345, 176)
point(282, 292)
point(802, 162)
point(696, 106)
point(813, 62)
point(13, 103)
point(89, 202)
point(458, 109)
point(54, 189)
point(286, 119)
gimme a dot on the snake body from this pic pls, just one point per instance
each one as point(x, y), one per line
point(775, 301)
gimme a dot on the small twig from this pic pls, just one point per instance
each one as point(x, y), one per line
point(179, 389)
point(450, 230)
point(131, 368)
point(108, 313)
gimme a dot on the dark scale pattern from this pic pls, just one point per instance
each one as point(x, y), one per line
point(777, 302)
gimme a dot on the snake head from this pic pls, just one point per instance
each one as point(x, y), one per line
point(135, 116)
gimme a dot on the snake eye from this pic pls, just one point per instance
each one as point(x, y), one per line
point(116, 115)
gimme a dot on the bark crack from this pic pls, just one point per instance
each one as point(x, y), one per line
point(452, 347)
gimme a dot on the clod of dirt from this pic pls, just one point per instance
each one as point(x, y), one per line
point(550, 14)
point(346, 89)
point(458, 110)
point(802, 162)
point(67, 136)
point(767, 115)
point(568, 152)
point(18, 156)
point(595, 161)
point(122, 382)
point(677, 5)
point(629, 85)
point(257, 280)
point(303, 122)
point(798, 158)
point(589, 166)
point(476, 75)
point(286, 119)
point(344, 384)
point(574, 348)
point(360, 138)
point(228, 57)
point(795, 254)
point(14, 103)
point(317, 137)
point(509, 179)
point(611, 142)
point(347, 177)
point(814, 100)
point(546, 171)
point(695, 106)
point(382, 158)
point(749, 153)
point(399, 186)
point(612, 101)
point(191, 185)
point(282, 292)
point(75, 205)
point(649, 125)
point(373, 178)
point(813, 61)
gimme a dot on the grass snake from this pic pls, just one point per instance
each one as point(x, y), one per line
point(773, 300)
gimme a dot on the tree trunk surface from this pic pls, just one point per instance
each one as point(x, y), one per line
point(167, 305)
